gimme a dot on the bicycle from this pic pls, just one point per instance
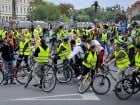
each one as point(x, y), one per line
point(85, 82)
point(63, 70)
point(101, 82)
point(128, 86)
point(48, 78)
point(19, 73)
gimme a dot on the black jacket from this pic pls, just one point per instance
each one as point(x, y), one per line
point(7, 52)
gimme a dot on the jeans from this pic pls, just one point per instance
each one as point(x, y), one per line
point(106, 46)
point(8, 65)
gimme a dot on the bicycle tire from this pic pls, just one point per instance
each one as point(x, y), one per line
point(48, 79)
point(64, 76)
point(21, 75)
point(28, 79)
point(1, 76)
point(102, 81)
point(136, 83)
point(124, 84)
point(83, 86)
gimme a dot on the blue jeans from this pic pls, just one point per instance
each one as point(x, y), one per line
point(8, 65)
point(106, 46)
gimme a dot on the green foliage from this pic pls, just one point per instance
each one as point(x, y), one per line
point(137, 17)
point(46, 11)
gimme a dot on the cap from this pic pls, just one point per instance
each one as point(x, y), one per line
point(65, 38)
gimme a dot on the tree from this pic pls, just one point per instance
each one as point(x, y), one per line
point(45, 11)
point(64, 8)
point(137, 17)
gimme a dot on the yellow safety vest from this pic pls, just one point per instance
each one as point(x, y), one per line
point(1, 31)
point(91, 60)
point(78, 40)
point(64, 54)
point(130, 46)
point(137, 60)
point(104, 37)
point(4, 34)
point(21, 47)
point(28, 36)
point(122, 62)
point(43, 55)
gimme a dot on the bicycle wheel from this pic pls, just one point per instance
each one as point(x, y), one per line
point(84, 83)
point(48, 79)
point(64, 74)
point(28, 79)
point(21, 75)
point(100, 84)
point(1, 76)
point(123, 89)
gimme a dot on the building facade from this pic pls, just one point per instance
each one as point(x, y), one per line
point(21, 10)
point(133, 10)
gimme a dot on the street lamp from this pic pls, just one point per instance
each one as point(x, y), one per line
point(31, 11)
point(114, 9)
point(71, 14)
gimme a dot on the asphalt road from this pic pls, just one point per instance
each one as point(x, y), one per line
point(63, 94)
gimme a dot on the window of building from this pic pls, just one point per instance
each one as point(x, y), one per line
point(20, 10)
point(24, 10)
point(16, 10)
point(6, 8)
point(9, 8)
point(2, 8)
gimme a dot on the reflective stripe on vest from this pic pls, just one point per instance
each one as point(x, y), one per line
point(137, 60)
point(43, 55)
point(21, 47)
point(104, 37)
point(91, 60)
point(64, 54)
point(122, 62)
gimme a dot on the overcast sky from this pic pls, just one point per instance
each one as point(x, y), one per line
point(78, 4)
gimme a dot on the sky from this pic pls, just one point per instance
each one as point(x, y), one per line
point(78, 4)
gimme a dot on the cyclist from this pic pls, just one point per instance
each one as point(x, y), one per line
point(77, 55)
point(137, 57)
point(90, 61)
point(121, 58)
point(7, 55)
point(42, 54)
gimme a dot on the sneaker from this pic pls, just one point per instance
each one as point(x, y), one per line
point(79, 77)
point(5, 83)
point(12, 82)
point(35, 85)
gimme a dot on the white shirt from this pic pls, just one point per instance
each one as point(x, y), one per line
point(76, 50)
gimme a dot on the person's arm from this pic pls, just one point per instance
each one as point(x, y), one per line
point(36, 52)
point(62, 48)
point(26, 46)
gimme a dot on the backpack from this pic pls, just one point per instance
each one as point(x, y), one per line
point(84, 48)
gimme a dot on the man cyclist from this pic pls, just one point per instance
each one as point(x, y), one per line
point(121, 58)
point(42, 54)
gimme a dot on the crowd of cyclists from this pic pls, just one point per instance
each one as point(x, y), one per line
point(85, 48)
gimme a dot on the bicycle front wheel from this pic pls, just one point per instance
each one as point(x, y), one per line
point(123, 89)
point(84, 83)
point(100, 84)
point(64, 74)
point(48, 79)
point(1, 76)
point(21, 75)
